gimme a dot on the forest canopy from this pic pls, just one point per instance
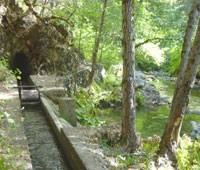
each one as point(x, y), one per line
point(158, 35)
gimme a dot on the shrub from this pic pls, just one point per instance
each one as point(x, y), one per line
point(149, 57)
point(140, 100)
point(87, 101)
point(145, 62)
point(4, 67)
point(188, 154)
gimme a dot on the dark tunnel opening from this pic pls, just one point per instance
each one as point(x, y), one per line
point(21, 68)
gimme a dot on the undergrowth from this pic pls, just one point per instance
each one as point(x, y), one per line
point(5, 148)
point(174, 61)
point(7, 152)
point(87, 101)
point(4, 67)
point(188, 154)
point(142, 158)
point(97, 97)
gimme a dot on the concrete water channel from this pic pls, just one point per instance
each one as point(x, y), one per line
point(43, 146)
point(45, 152)
point(54, 145)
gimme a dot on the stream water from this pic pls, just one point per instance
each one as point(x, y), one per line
point(150, 121)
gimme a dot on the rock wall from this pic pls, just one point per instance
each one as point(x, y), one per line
point(47, 43)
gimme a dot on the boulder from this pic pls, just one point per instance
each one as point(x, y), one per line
point(140, 79)
point(152, 95)
point(196, 129)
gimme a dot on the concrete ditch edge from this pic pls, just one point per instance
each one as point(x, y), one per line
point(69, 151)
point(73, 152)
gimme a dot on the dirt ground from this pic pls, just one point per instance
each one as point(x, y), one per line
point(13, 145)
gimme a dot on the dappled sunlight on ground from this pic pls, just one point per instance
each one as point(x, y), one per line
point(7, 93)
point(7, 96)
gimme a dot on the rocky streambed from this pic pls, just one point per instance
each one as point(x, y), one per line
point(157, 89)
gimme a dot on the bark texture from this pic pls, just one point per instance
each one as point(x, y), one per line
point(128, 84)
point(169, 141)
point(193, 16)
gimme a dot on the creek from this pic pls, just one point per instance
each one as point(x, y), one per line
point(152, 120)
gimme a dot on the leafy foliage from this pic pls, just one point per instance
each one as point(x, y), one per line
point(4, 67)
point(149, 57)
point(174, 61)
point(164, 25)
point(89, 120)
point(7, 151)
point(161, 21)
point(188, 154)
point(164, 22)
point(142, 158)
point(140, 100)
point(87, 100)
point(145, 62)
point(4, 165)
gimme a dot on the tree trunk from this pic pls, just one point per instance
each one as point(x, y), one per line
point(96, 46)
point(169, 140)
point(193, 15)
point(128, 83)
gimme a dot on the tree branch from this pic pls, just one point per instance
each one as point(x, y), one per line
point(146, 41)
point(61, 18)
point(30, 6)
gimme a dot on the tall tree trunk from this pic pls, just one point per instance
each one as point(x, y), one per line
point(96, 45)
point(128, 83)
point(169, 140)
point(193, 15)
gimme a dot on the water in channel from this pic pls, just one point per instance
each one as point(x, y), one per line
point(44, 150)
